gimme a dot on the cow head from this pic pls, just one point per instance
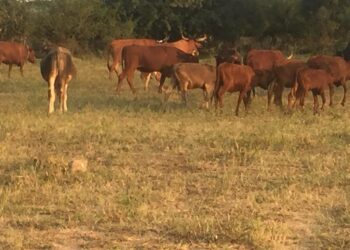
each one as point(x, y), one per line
point(31, 55)
point(192, 44)
point(229, 55)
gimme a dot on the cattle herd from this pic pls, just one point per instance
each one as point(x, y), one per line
point(268, 69)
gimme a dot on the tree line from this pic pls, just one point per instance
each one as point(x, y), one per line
point(85, 26)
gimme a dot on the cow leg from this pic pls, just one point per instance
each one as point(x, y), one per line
point(148, 78)
point(323, 96)
point(114, 67)
point(130, 79)
point(121, 77)
point(302, 99)
point(270, 90)
point(61, 95)
point(65, 109)
point(345, 90)
point(331, 94)
point(162, 80)
point(278, 93)
point(51, 94)
point(246, 99)
point(314, 93)
point(240, 97)
point(207, 92)
point(10, 69)
point(219, 97)
point(184, 89)
point(21, 70)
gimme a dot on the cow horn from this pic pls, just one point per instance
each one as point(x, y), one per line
point(202, 39)
point(183, 37)
point(195, 52)
point(291, 56)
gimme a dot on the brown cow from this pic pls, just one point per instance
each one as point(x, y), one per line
point(15, 53)
point(316, 80)
point(337, 67)
point(57, 68)
point(115, 48)
point(150, 59)
point(285, 76)
point(232, 78)
point(187, 76)
point(263, 62)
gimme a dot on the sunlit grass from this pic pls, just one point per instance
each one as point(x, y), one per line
point(175, 179)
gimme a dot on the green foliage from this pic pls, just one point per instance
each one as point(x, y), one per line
point(88, 25)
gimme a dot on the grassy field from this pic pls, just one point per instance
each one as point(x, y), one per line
point(181, 179)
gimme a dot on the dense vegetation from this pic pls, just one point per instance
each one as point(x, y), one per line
point(88, 25)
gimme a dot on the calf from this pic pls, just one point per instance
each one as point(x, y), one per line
point(15, 53)
point(316, 80)
point(337, 67)
point(192, 76)
point(57, 68)
point(233, 78)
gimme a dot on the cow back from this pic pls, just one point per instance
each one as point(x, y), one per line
point(58, 60)
point(335, 65)
point(154, 58)
point(188, 46)
point(194, 73)
point(285, 74)
point(264, 60)
point(235, 77)
point(15, 53)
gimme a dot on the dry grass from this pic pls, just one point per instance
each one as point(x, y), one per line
point(180, 179)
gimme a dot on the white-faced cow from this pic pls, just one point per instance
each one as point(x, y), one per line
point(57, 68)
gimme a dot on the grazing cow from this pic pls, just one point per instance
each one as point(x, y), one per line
point(230, 55)
point(15, 53)
point(337, 67)
point(187, 76)
point(150, 59)
point(285, 76)
point(115, 48)
point(316, 80)
point(57, 68)
point(233, 78)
